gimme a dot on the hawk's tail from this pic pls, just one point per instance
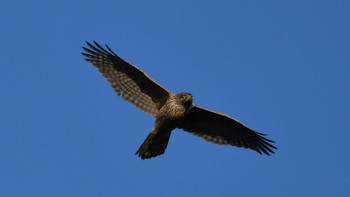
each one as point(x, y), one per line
point(154, 145)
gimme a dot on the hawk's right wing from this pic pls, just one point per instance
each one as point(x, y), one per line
point(221, 129)
point(133, 84)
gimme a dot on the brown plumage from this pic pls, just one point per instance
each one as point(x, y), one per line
point(170, 110)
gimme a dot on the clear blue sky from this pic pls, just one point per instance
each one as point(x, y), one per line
point(280, 67)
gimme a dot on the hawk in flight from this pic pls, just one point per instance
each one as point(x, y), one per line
point(170, 110)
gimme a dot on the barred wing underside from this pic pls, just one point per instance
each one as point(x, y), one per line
point(128, 81)
point(222, 129)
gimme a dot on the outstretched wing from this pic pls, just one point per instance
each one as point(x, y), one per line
point(222, 129)
point(133, 84)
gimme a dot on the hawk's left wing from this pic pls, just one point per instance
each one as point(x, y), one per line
point(133, 84)
point(222, 129)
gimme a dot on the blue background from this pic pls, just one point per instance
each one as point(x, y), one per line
point(280, 67)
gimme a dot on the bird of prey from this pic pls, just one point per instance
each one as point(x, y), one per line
point(170, 110)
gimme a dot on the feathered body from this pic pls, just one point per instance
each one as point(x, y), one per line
point(169, 117)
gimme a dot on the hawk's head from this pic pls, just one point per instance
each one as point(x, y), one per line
point(185, 98)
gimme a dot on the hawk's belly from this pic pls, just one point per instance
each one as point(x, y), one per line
point(165, 125)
